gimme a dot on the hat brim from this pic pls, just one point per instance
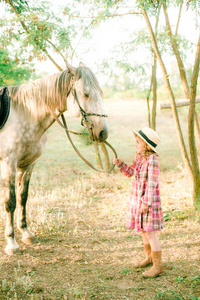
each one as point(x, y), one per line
point(138, 134)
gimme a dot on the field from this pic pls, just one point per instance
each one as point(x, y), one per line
point(78, 216)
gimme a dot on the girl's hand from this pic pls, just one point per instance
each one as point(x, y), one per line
point(118, 162)
point(144, 208)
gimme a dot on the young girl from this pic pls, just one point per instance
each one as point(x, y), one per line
point(145, 213)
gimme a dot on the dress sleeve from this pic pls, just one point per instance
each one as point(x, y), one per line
point(127, 170)
point(152, 180)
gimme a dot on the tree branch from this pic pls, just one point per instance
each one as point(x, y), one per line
point(28, 31)
point(106, 16)
point(191, 114)
point(179, 17)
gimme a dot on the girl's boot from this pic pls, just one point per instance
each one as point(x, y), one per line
point(157, 268)
point(147, 260)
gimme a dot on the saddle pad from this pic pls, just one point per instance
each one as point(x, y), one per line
point(4, 106)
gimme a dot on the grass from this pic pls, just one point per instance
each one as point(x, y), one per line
point(78, 215)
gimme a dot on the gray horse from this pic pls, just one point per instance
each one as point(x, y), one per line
point(33, 109)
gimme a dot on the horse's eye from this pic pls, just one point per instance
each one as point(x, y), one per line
point(87, 95)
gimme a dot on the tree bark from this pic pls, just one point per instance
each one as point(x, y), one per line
point(197, 134)
point(179, 59)
point(98, 156)
point(179, 17)
point(178, 104)
point(177, 54)
point(172, 98)
point(148, 104)
point(106, 156)
point(191, 136)
point(154, 105)
point(154, 78)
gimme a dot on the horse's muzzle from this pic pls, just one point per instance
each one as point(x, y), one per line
point(103, 135)
point(100, 137)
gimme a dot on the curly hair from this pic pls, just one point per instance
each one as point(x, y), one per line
point(147, 151)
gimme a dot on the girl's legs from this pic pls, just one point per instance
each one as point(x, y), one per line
point(147, 250)
point(152, 239)
point(145, 240)
point(157, 268)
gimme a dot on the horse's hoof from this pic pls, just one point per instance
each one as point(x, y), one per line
point(12, 247)
point(30, 241)
point(11, 252)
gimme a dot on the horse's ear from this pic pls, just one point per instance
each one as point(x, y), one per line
point(70, 68)
point(81, 64)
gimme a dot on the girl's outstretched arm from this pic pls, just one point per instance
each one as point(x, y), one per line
point(124, 168)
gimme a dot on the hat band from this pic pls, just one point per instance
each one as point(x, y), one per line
point(147, 139)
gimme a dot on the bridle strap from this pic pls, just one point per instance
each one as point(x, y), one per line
point(87, 124)
point(77, 151)
point(58, 121)
point(85, 114)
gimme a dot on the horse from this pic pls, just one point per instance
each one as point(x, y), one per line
point(34, 107)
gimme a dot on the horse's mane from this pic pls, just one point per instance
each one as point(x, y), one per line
point(50, 93)
point(89, 79)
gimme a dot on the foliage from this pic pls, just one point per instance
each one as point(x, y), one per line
point(13, 70)
point(60, 31)
point(42, 30)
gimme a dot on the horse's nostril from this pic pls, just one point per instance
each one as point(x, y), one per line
point(103, 135)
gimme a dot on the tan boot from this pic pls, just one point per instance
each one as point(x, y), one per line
point(157, 268)
point(145, 262)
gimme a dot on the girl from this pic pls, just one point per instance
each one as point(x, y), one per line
point(145, 213)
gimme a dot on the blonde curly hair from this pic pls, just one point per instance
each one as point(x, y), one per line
point(147, 151)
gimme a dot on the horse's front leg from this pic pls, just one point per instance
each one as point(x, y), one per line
point(23, 179)
point(8, 174)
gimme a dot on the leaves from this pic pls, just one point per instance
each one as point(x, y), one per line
point(38, 28)
point(13, 70)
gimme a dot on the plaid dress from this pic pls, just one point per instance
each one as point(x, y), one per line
point(145, 189)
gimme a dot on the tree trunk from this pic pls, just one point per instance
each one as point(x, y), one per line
point(172, 98)
point(148, 104)
point(179, 104)
point(179, 61)
point(179, 17)
point(98, 156)
point(177, 54)
point(197, 134)
point(154, 78)
point(191, 136)
point(106, 156)
point(153, 120)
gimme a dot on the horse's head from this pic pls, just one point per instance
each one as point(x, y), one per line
point(85, 99)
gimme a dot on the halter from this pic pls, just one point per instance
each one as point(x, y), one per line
point(84, 121)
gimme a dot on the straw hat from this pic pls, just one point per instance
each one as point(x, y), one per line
point(149, 136)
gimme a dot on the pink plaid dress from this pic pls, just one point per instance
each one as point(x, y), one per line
point(145, 189)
